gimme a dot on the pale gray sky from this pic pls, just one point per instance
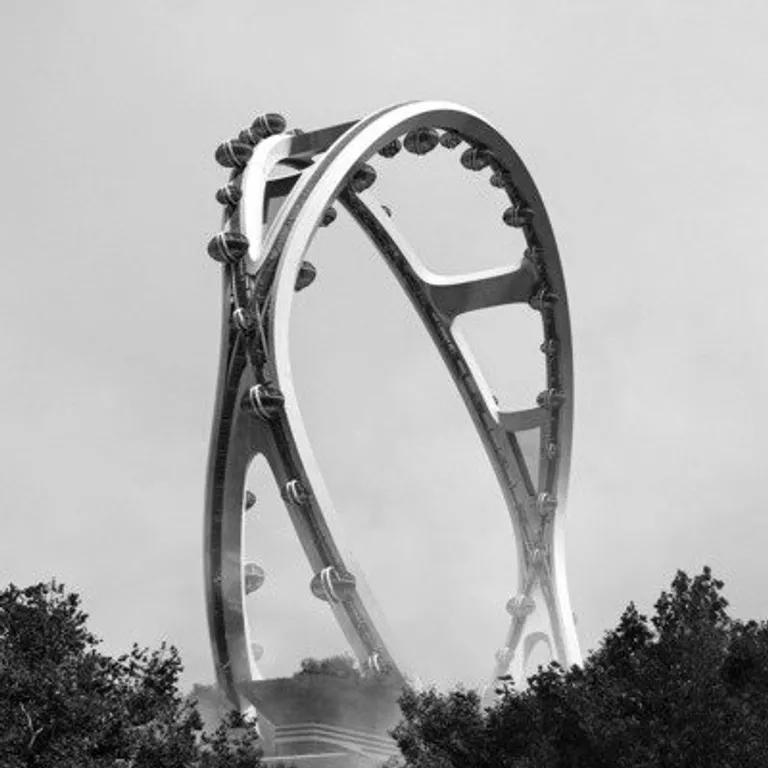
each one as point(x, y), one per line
point(644, 127)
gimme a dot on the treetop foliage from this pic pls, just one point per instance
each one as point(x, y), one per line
point(65, 704)
point(341, 665)
point(687, 688)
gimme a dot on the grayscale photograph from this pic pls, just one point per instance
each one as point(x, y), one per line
point(384, 384)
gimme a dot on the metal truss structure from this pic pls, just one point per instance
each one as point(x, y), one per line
point(283, 186)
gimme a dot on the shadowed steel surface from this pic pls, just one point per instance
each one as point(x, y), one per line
point(279, 216)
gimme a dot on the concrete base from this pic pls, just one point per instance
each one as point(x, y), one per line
point(318, 720)
point(329, 760)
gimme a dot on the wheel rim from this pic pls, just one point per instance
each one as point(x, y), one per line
point(258, 357)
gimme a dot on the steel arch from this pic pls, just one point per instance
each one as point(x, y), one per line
point(263, 248)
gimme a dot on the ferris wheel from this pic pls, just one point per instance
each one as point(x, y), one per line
point(283, 185)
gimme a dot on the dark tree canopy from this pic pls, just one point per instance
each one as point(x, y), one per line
point(65, 704)
point(687, 688)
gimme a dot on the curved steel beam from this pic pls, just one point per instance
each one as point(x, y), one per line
point(257, 410)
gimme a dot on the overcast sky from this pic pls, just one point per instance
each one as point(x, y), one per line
point(644, 126)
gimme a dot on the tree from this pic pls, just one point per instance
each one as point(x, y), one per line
point(686, 689)
point(341, 665)
point(65, 704)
